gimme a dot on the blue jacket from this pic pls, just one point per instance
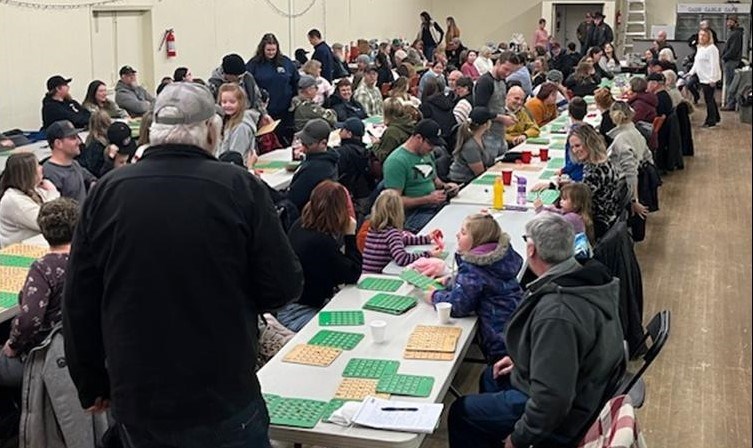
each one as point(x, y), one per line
point(279, 80)
point(486, 285)
point(323, 54)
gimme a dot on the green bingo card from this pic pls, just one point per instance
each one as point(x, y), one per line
point(8, 299)
point(538, 141)
point(419, 280)
point(336, 339)
point(370, 368)
point(548, 197)
point(390, 303)
point(16, 261)
point(271, 164)
point(411, 385)
point(380, 284)
point(340, 318)
point(297, 412)
point(489, 179)
point(555, 163)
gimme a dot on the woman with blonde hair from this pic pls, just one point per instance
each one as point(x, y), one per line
point(323, 87)
point(22, 192)
point(400, 122)
point(707, 68)
point(588, 148)
point(483, 62)
point(582, 82)
point(317, 237)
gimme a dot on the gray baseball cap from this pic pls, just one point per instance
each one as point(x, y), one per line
point(306, 81)
point(314, 131)
point(184, 103)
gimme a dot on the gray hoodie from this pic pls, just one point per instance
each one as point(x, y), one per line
point(565, 340)
point(134, 99)
point(247, 83)
point(242, 138)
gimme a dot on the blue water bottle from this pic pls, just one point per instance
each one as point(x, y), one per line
point(522, 193)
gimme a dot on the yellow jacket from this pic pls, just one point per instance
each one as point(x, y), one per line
point(541, 113)
point(525, 126)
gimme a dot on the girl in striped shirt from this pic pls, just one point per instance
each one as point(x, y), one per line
point(386, 239)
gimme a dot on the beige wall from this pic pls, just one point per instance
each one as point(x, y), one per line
point(35, 44)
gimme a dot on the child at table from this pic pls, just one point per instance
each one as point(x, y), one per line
point(486, 282)
point(40, 298)
point(575, 208)
point(386, 238)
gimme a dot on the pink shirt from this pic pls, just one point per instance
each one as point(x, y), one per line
point(541, 38)
point(470, 71)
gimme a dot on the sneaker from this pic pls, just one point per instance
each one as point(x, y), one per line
point(708, 125)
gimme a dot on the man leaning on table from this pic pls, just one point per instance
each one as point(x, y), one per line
point(172, 262)
point(410, 170)
point(566, 355)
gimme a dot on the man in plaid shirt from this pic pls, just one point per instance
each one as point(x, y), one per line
point(368, 94)
point(565, 346)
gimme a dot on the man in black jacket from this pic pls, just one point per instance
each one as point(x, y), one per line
point(601, 33)
point(731, 57)
point(172, 262)
point(319, 165)
point(566, 352)
point(322, 53)
point(58, 105)
point(353, 165)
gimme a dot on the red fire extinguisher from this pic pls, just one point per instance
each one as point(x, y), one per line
point(168, 40)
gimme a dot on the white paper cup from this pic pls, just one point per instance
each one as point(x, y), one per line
point(443, 312)
point(378, 330)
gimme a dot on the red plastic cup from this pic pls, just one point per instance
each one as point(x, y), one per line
point(525, 157)
point(507, 176)
point(544, 154)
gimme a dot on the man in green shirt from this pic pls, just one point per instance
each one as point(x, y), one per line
point(410, 171)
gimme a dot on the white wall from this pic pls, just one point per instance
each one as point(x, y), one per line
point(36, 44)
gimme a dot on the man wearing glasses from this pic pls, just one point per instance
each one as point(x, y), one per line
point(566, 355)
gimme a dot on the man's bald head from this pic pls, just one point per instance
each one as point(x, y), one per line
point(661, 36)
point(515, 97)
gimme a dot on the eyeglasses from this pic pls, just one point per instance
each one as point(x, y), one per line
point(527, 239)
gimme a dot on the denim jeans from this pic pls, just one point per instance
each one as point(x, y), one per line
point(486, 419)
point(729, 75)
point(295, 316)
point(417, 218)
point(247, 429)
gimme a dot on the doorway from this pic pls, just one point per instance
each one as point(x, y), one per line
point(567, 19)
point(118, 38)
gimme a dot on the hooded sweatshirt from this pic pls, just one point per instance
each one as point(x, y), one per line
point(486, 285)
point(133, 99)
point(628, 152)
point(241, 138)
point(565, 340)
point(247, 83)
point(439, 107)
point(644, 104)
point(317, 167)
point(54, 110)
point(398, 132)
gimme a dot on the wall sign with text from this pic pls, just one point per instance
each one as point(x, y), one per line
point(713, 8)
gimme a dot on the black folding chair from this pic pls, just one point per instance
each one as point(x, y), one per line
point(658, 332)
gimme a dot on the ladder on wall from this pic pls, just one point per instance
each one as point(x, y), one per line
point(635, 24)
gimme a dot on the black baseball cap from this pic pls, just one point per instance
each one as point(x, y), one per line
point(354, 125)
point(656, 77)
point(314, 131)
point(59, 130)
point(56, 81)
point(430, 130)
point(119, 134)
point(127, 70)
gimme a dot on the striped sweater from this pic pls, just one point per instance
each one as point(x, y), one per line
point(383, 246)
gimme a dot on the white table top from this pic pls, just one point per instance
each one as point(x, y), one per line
point(320, 383)
point(278, 179)
point(41, 149)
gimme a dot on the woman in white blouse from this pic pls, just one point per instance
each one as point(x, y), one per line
point(708, 70)
point(23, 191)
point(483, 62)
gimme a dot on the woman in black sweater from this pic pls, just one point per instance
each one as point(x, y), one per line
point(317, 239)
